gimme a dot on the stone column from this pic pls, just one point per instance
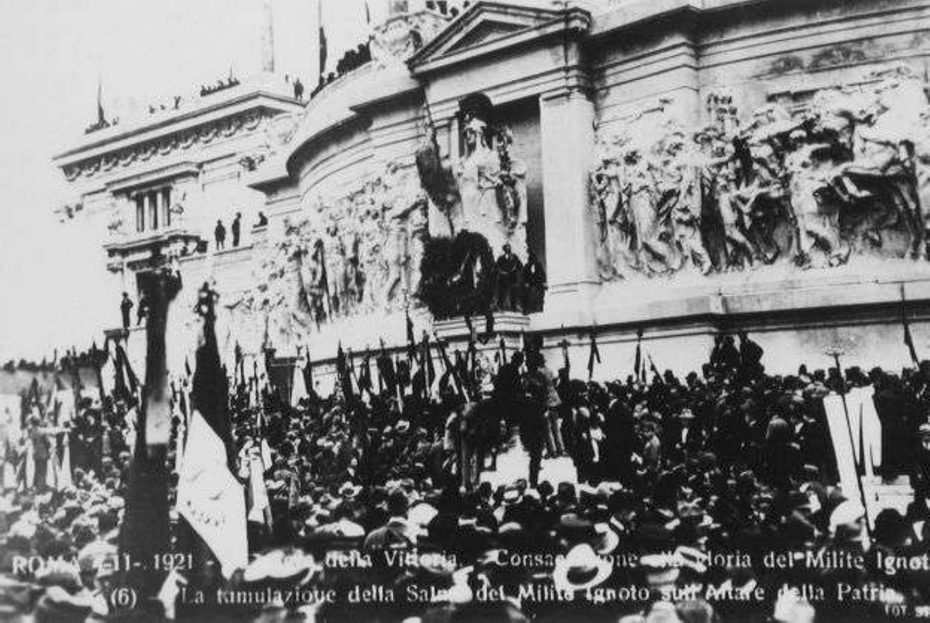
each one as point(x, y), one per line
point(566, 126)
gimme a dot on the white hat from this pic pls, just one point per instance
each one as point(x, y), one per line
point(846, 513)
point(580, 569)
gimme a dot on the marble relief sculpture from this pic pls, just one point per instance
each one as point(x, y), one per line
point(844, 174)
point(347, 255)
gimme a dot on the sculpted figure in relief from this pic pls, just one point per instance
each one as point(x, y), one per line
point(406, 222)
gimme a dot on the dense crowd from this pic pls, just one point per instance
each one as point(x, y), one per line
point(697, 499)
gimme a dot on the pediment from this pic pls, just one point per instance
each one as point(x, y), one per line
point(490, 24)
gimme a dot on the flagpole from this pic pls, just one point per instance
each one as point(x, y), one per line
point(852, 444)
point(145, 531)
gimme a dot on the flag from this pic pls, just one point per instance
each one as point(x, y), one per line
point(566, 362)
point(308, 374)
point(655, 370)
point(386, 369)
point(120, 390)
point(411, 340)
point(322, 40)
point(367, 14)
point(427, 362)
point(488, 327)
point(908, 338)
point(130, 375)
point(211, 499)
point(210, 387)
point(342, 373)
point(638, 359)
point(101, 116)
point(364, 378)
point(595, 355)
point(503, 346)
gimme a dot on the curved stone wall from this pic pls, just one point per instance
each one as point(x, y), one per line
point(744, 164)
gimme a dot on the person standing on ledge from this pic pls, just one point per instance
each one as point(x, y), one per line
point(125, 308)
point(219, 233)
point(236, 228)
point(534, 284)
point(509, 271)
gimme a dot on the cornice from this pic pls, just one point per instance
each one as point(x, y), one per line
point(177, 141)
point(441, 53)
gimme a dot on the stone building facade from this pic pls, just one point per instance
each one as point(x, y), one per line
point(684, 168)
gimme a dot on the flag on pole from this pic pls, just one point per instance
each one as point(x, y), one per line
point(319, 14)
point(364, 376)
point(386, 371)
point(638, 359)
point(908, 338)
point(211, 499)
point(411, 340)
point(308, 373)
point(594, 355)
point(101, 116)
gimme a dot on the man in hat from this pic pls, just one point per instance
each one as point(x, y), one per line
point(125, 307)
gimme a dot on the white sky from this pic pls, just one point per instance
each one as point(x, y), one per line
point(52, 53)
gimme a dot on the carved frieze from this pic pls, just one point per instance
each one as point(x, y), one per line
point(845, 175)
point(185, 140)
point(346, 255)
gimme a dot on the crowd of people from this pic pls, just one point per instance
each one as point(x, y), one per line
point(704, 498)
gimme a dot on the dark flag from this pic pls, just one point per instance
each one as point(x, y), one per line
point(655, 370)
point(461, 366)
point(308, 374)
point(210, 385)
point(566, 362)
point(426, 366)
point(120, 390)
point(638, 359)
point(595, 355)
point(342, 373)
point(908, 338)
point(386, 369)
point(403, 373)
point(130, 375)
point(472, 351)
point(450, 369)
point(101, 116)
point(411, 340)
point(503, 347)
point(187, 368)
point(364, 378)
point(323, 51)
point(488, 326)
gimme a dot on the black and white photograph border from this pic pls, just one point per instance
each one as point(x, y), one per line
point(465, 310)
